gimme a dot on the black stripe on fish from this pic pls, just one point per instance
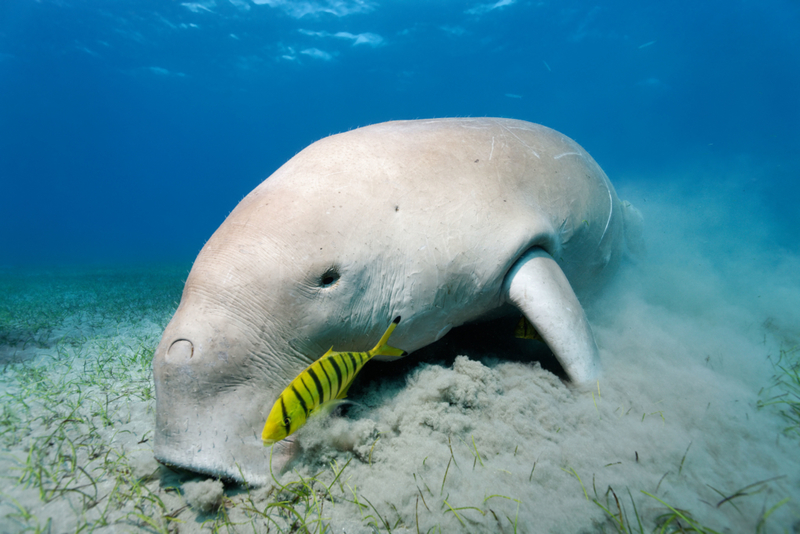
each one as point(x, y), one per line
point(300, 398)
point(314, 402)
point(300, 380)
point(336, 368)
point(343, 362)
point(350, 364)
point(328, 380)
point(329, 376)
point(320, 391)
point(353, 361)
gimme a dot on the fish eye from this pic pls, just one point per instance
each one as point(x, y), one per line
point(329, 278)
point(287, 421)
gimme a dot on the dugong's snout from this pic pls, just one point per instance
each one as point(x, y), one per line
point(208, 412)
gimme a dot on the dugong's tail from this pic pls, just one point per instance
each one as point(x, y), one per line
point(634, 225)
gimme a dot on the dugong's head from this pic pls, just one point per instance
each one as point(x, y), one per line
point(305, 262)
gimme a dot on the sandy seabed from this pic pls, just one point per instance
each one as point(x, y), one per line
point(693, 424)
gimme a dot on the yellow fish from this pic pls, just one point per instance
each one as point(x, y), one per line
point(525, 330)
point(320, 387)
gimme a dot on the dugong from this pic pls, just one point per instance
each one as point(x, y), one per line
point(442, 222)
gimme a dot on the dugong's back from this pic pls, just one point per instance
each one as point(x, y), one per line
point(485, 186)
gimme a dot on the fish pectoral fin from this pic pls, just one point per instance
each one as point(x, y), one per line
point(537, 286)
point(327, 408)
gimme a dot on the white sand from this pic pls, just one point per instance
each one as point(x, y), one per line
point(688, 338)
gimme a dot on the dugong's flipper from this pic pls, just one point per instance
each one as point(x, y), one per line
point(537, 286)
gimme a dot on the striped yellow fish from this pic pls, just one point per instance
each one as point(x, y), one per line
point(320, 387)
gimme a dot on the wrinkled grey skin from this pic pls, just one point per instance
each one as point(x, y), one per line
point(442, 222)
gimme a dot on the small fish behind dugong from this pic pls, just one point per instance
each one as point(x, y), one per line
point(441, 222)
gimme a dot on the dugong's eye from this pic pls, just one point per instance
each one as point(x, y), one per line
point(329, 277)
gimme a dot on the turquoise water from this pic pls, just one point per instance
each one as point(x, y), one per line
point(130, 129)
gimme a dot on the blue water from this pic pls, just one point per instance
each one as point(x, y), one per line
point(130, 128)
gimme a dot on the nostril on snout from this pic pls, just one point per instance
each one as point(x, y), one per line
point(180, 351)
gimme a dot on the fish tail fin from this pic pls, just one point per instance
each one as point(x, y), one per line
point(391, 351)
point(382, 348)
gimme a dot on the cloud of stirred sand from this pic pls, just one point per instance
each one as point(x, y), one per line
point(688, 336)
